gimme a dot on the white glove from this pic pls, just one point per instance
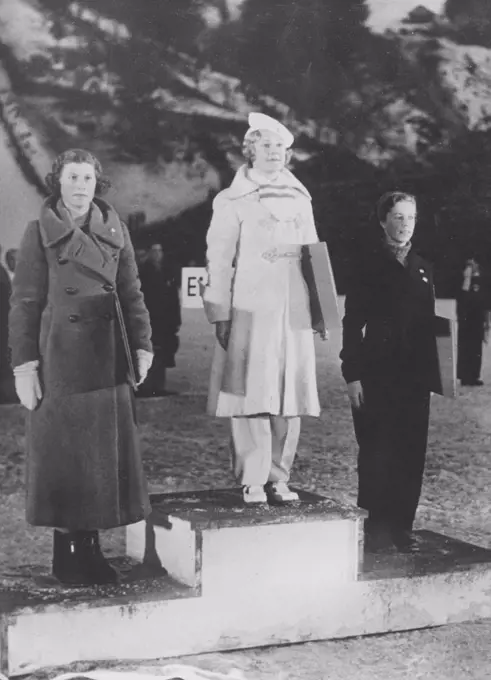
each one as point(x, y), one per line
point(144, 360)
point(27, 384)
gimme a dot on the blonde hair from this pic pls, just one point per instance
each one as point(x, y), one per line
point(249, 147)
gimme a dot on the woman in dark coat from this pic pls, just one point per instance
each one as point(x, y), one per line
point(388, 361)
point(77, 320)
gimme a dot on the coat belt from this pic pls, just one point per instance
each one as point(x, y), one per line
point(290, 253)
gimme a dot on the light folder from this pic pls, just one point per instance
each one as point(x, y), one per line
point(317, 272)
point(318, 275)
point(445, 380)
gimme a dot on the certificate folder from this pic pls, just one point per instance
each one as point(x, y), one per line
point(445, 380)
point(317, 272)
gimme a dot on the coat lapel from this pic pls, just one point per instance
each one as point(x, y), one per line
point(94, 250)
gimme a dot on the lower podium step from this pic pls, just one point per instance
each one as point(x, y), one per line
point(150, 616)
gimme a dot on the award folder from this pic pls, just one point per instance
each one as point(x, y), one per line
point(317, 272)
point(445, 380)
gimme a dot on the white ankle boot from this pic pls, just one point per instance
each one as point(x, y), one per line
point(281, 493)
point(254, 495)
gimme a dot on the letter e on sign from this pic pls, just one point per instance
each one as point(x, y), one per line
point(192, 277)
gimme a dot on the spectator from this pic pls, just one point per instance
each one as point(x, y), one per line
point(7, 391)
point(160, 281)
point(472, 317)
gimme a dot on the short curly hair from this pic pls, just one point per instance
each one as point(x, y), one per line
point(75, 156)
point(386, 202)
point(249, 147)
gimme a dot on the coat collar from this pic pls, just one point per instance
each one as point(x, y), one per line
point(417, 268)
point(57, 225)
point(242, 185)
point(93, 250)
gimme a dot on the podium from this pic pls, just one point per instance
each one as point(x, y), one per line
point(211, 541)
point(241, 577)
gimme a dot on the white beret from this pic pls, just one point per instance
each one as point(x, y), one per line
point(259, 121)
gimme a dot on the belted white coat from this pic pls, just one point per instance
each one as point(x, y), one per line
point(255, 280)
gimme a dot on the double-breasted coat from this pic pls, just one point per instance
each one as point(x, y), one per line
point(84, 469)
point(255, 281)
point(389, 344)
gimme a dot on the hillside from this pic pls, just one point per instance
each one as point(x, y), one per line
point(166, 113)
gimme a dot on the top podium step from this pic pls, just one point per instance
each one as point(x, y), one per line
point(221, 508)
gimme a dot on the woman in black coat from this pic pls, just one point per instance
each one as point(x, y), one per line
point(77, 321)
point(388, 361)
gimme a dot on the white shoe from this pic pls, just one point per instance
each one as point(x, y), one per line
point(281, 493)
point(254, 495)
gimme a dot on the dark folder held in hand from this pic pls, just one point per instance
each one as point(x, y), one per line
point(317, 272)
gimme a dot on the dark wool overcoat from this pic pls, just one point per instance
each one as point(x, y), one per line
point(84, 467)
point(389, 344)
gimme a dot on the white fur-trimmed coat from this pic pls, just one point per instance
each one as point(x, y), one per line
point(255, 280)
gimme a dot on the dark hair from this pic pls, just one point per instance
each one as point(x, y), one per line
point(386, 202)
point(75, 156)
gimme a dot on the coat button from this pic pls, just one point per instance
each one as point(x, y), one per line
point(74, 318)
point(108, 287)
point(62, 260)
point(115, 256)
point(71, 291)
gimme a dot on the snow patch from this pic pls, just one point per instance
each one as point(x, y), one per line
point(24, 29)
point(466, 73)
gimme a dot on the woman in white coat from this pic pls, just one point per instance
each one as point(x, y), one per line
point(263, 376)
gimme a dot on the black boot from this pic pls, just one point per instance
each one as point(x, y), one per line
point(98, 568)
point(69, 561)
point(378, 537)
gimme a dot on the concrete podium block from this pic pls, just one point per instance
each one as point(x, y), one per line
point(260, 577)
point(177, 541)
point(210, 540)
point(157, 618)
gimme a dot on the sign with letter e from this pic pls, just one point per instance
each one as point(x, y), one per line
point(192, 280)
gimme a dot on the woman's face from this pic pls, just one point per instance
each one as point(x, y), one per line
point(77, 185)
point(400, 222)
point(270, 153)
